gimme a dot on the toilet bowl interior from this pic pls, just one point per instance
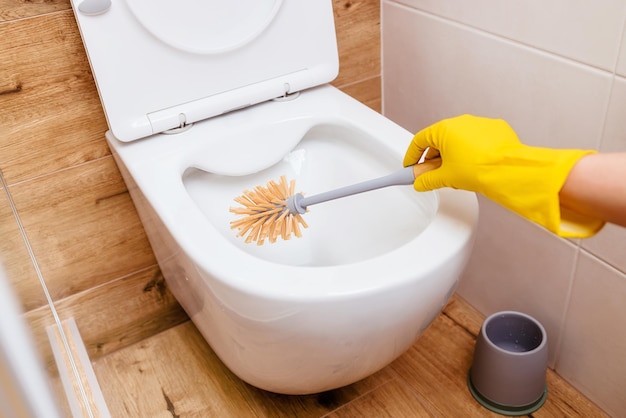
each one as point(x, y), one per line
point(348, 230)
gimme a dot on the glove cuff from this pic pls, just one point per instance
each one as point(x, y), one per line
point(535, 177)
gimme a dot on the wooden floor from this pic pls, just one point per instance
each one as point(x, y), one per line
point(176, 374)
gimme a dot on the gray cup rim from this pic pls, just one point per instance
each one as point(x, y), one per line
point(496, 315)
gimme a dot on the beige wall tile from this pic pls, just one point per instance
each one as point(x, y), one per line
point(594, 342)
point(621, 62)
point(614, 135)
point(583, 31)
point(448, 70)
point(609, 245)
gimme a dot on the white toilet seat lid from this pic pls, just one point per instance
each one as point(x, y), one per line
point(160, 63)
point(205, 27)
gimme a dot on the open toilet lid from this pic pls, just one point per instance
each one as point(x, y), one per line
point(161, 63)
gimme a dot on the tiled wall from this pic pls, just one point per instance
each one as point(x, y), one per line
point(556, 71)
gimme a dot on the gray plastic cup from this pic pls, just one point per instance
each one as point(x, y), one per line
point(508, 375)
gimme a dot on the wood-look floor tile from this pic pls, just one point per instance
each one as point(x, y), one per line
point(12, 9)
point(436, 368)
point(317, 405)
point(565, 401)
point(15, 260)
point(83, 227)
point(51, 113)
point(391, 400)
point(122, 312)
point(112, 316)
point(357, 25)
point(159, 371)
point(464, 314)
point(174, 373)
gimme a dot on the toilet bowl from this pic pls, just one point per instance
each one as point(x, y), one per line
point(308, 314)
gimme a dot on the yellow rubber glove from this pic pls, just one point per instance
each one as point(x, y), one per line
point(485, 156)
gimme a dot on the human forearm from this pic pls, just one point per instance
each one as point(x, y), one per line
point(596, 188)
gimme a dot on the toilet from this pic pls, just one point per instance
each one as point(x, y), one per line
point(204, 100)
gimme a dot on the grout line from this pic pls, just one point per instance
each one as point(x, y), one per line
point(112, 281)
point(60, 170)
point(478, 30)
point(353, 83)
point(44, 288)
point(418, 396)
point(566, 307)
point(426, 404)
point(381, 54)
point(606, 263)
point(463, 327)
point(619, 47)
point(38, 15)
point(614, 77)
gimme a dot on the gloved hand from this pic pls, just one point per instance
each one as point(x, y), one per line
point(485, 156)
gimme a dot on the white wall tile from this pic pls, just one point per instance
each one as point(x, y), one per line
point(448, 69)
point(594, 341)
point(517, 265)
point(610, 246)
point(614, 137)
point(586, 31)
point(621, 62)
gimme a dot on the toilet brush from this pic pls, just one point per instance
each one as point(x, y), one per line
point(274, 210)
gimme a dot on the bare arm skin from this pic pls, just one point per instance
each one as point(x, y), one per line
point(596, 187)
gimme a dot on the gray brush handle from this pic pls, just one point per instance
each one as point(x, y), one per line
point(299, 203)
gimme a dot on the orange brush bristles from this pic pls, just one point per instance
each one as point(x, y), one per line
point(264, 214)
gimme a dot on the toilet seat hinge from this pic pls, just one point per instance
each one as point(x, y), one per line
point(182, 127)
point(286, 95)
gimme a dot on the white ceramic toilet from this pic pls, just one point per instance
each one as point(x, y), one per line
point(241, 92)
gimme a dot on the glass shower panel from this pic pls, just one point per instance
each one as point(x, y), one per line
point(32, 313)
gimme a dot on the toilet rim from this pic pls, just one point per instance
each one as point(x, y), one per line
point(161, 180)
point(209, 249)
point(198, 237)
